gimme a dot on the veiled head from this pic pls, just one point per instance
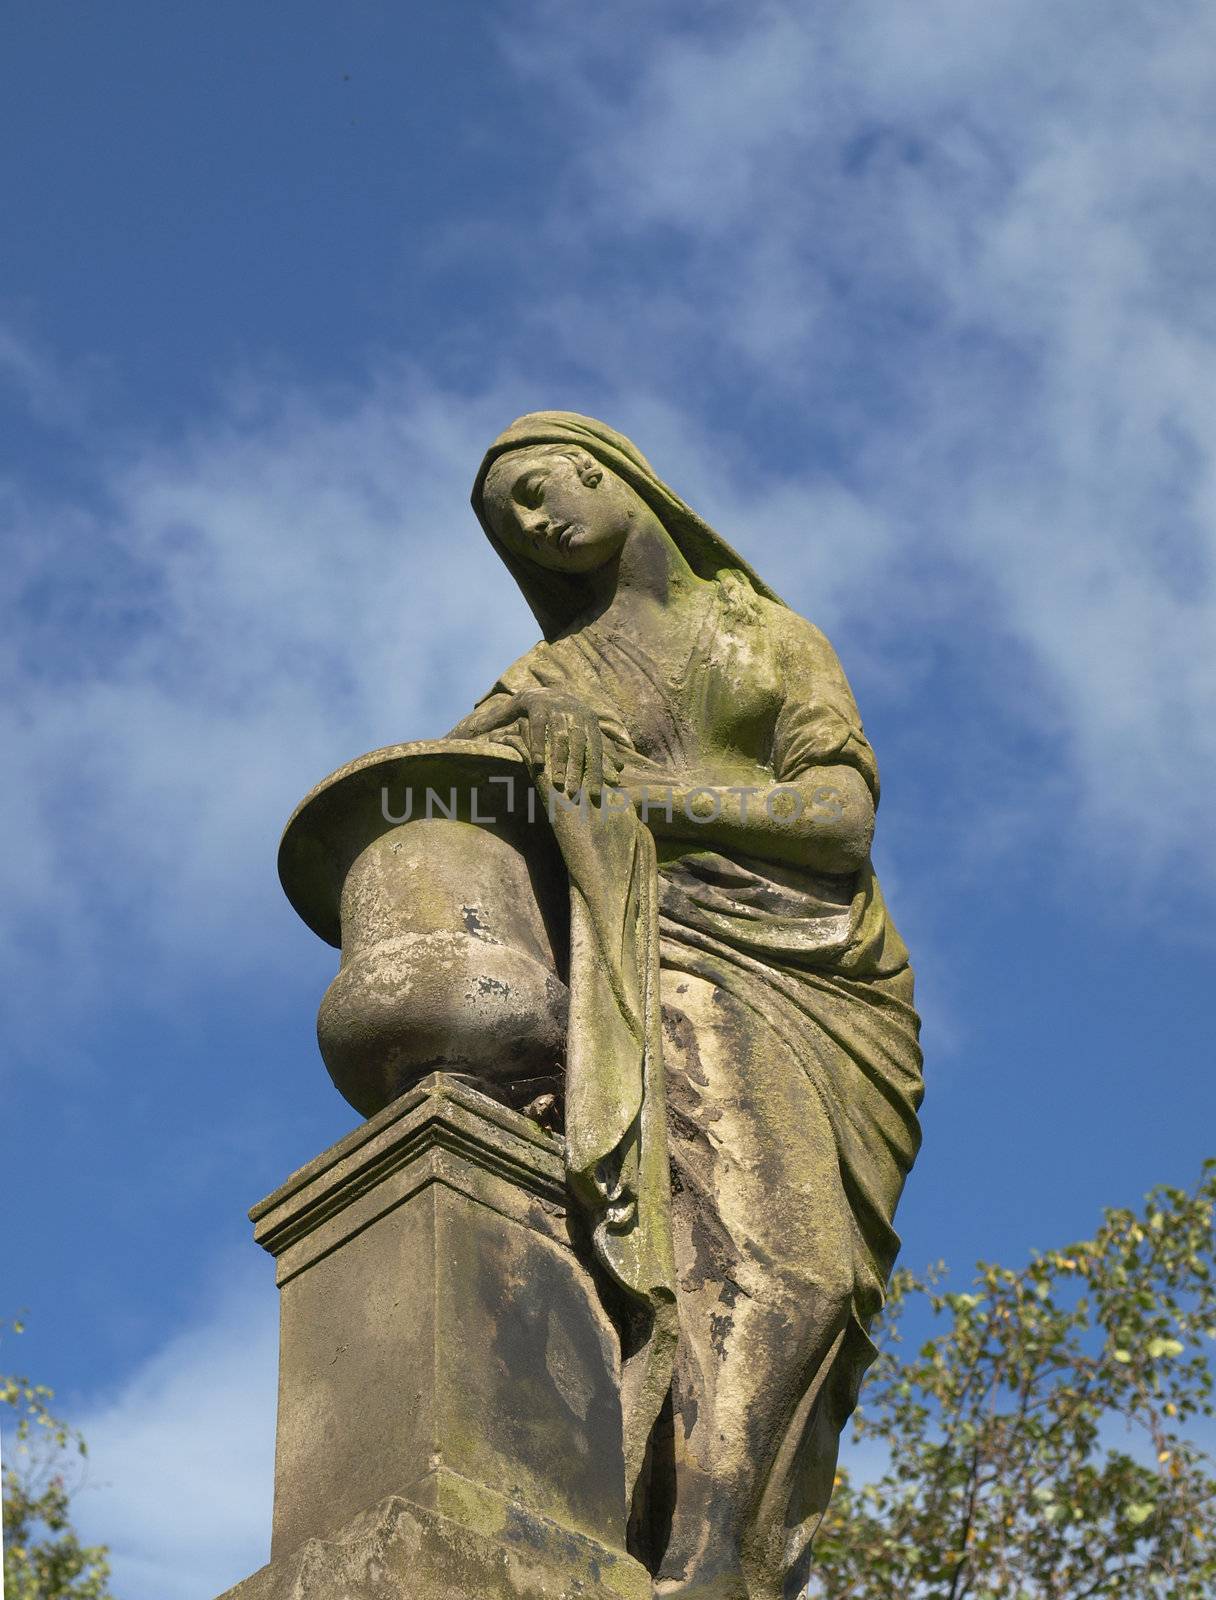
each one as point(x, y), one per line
point(593, 479)
point(560, 508)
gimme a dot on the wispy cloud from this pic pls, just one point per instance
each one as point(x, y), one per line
point(230, 617)
point(960, 254)
point(51, 396)
point(181, 1456)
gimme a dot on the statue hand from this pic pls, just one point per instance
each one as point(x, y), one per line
point(564, 740)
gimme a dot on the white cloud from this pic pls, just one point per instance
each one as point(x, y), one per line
point(971, 243)
point(238, 614)
point(181, 1457)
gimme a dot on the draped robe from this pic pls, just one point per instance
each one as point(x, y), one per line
point(755, 1226)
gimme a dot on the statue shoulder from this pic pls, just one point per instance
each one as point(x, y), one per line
point(802, 648)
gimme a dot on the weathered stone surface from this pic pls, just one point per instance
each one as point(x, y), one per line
point(444, 1356)
point(401, 1550)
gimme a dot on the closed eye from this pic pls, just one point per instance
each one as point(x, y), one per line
point(529, 490)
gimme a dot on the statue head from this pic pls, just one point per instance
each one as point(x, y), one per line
point(560, 508)
point(558, 494)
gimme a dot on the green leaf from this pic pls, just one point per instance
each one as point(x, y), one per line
point(1164, 1347)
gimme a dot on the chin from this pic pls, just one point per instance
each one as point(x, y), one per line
point(585, 558)
point(586, 555)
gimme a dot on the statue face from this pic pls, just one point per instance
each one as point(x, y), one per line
point(566, 515)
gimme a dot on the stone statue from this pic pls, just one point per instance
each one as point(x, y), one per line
point(677, 952)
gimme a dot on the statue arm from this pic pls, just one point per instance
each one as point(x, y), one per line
point(534, 710)
point(488, 716)
point(823, 820)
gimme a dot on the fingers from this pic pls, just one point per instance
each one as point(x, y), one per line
point(538, 738)
point(557, 752)
point(566, 743)
point(593, 765)
point(577, 743)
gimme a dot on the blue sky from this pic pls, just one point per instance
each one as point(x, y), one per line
point(914, 303)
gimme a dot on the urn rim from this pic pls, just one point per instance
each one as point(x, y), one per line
point(340, 816)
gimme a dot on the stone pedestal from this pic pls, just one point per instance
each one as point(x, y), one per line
point(449, 1414)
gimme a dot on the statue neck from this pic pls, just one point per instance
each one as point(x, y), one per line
point(648, 578)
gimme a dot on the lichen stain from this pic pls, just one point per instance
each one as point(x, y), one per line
point(471, 917)
point(720, 1325)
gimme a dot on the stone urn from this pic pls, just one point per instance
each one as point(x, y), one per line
point(434, 870)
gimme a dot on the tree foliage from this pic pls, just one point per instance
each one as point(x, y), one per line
point(43, 1558)
point(1039, 1445)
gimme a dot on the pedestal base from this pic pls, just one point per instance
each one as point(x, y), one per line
point(404, 1551)
point(449, 1407)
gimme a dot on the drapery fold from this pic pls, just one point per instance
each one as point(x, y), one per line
point(616, 1121)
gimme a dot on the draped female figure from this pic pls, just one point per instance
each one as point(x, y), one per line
point(743, 1074)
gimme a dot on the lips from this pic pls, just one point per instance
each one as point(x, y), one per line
point(562, 535)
